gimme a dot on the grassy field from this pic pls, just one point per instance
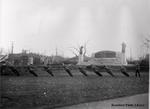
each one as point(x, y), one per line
point(27, 92)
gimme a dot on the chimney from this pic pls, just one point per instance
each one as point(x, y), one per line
point(12, 48)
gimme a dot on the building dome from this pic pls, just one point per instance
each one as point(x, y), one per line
point(105, 54)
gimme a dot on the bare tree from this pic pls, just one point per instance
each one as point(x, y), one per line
point(76, 55)
point(79, 50)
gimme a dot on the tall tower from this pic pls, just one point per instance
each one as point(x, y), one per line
point(12, 48)
point(81, 57)
point(124, 62)
point(123, 47)
point(56, 52)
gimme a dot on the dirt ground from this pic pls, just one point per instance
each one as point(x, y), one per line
point(61, 90)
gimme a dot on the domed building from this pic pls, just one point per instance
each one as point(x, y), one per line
point(108, 57)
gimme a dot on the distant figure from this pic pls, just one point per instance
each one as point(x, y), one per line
point(137, 71)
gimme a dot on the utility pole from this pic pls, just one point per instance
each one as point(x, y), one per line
point(130, 54)
point(12, 48)
point(56, 51)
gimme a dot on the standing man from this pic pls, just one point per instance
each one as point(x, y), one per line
point(137, 72)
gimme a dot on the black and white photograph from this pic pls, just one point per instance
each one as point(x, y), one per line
point(74, 54)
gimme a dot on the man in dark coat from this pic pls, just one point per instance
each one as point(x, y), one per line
point(137, 71)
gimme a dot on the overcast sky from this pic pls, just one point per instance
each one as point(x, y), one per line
point(43, 25)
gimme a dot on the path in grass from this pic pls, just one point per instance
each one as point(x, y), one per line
point(139, 101)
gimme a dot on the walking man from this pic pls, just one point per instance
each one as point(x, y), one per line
point(137, 72)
